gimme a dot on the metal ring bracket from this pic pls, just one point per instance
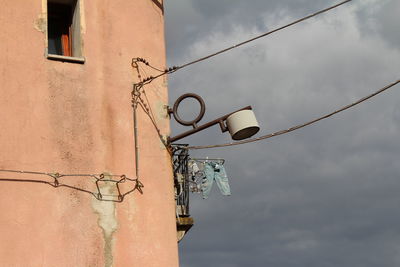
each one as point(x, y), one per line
point(198, 118)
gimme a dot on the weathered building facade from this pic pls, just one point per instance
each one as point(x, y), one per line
point(65, 81)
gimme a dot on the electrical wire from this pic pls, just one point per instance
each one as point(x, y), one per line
point(97, 178)
point(144, 103)
point(176, 68)
point(299, 126)
point(139, 59)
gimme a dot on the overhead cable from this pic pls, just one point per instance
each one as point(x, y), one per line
point(299, 126)
point(176, 68)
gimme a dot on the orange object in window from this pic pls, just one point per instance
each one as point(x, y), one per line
point(66, 45)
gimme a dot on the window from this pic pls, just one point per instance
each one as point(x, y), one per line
point(63, 29)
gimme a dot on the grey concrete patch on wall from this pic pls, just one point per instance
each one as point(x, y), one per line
point(107, 220)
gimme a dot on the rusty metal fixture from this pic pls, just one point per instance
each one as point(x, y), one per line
point(193, 122)
point(221, 120)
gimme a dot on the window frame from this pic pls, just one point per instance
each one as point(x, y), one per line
point(71, 38)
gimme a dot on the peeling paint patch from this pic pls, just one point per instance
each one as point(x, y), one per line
point(40, 24)
point(162, 141)
point(162, 110)
point(165, 82)
point(107, 220)
point(162, 118)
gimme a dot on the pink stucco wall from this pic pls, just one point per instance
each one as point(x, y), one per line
point(77, 118)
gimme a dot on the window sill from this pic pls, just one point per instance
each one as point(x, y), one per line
point(79, 60)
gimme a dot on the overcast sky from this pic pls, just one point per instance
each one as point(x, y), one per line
point(326, 195)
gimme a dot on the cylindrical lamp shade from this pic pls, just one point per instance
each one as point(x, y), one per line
point(242, 124)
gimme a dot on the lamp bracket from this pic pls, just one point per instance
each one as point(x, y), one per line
point(174, 110)
point(196, 128)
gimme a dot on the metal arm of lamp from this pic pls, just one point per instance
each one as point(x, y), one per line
point(241, 123)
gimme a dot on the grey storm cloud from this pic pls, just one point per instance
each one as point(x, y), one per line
point(190, 21)
point(385, 20)
point(325, 195)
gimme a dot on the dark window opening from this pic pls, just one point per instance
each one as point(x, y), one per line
point(63, 30)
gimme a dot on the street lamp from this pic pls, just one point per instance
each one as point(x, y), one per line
point(241, 124)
